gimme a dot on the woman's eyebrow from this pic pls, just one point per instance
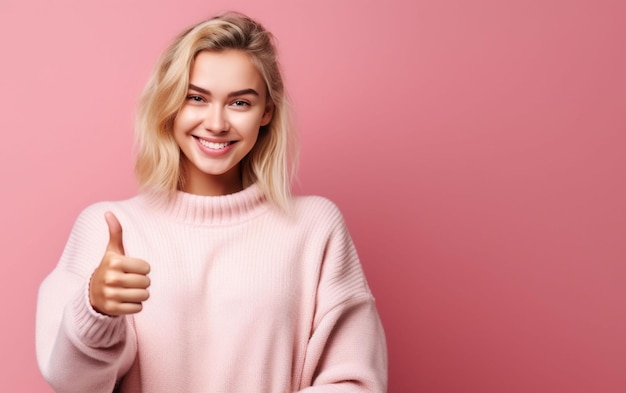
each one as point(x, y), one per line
point(231, 94)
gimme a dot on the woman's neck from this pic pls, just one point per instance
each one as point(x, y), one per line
point(200, 183)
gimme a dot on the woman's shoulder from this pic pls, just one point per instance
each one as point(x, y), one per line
point(95, 211)
point(315, 203)
point(318, 209)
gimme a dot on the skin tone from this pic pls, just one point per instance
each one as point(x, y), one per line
point(120, 283)
point(216, 128)
point(219, 122)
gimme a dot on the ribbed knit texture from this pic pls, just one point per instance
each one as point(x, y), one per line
point(243, 298)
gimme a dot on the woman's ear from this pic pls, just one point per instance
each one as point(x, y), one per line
point(269, 112)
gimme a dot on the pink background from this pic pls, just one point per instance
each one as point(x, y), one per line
point(476, 149)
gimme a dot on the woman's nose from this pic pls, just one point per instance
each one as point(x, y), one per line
point(215, 119)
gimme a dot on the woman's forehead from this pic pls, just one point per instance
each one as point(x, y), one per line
point(229, 70)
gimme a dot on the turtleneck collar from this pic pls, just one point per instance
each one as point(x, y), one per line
point(204, 210)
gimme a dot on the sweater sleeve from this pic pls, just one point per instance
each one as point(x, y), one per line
point(347, 349)
point(78, 349)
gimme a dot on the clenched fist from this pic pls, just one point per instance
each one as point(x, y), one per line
point(119, 284)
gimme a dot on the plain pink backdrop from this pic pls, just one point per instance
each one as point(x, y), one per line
point(476, 148)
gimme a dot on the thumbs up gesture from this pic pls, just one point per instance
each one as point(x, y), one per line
point(119, 284)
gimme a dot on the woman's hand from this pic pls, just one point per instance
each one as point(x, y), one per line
point(119, 284)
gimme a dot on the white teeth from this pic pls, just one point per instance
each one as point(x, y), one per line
point(213, 145)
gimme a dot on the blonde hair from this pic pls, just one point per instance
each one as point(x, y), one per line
point(270, 163)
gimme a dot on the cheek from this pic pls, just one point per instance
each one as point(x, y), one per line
point(185, 120)
point(247, 122)
point(180, 128)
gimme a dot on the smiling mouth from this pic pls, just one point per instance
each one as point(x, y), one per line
point(214, 145)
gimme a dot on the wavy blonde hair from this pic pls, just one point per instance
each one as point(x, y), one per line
point(271, 162)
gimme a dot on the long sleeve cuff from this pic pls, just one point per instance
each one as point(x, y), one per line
point(93, 329)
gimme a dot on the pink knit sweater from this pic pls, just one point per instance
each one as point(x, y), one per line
point(243, 299)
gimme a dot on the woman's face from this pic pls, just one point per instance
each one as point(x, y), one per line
point(219, 121)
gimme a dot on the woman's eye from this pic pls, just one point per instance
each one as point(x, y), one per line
point(240, 103)
point(195, 98)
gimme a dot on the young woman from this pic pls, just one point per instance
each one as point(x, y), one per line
point(212, 279)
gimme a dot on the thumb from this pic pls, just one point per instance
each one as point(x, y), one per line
point(115, 234)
